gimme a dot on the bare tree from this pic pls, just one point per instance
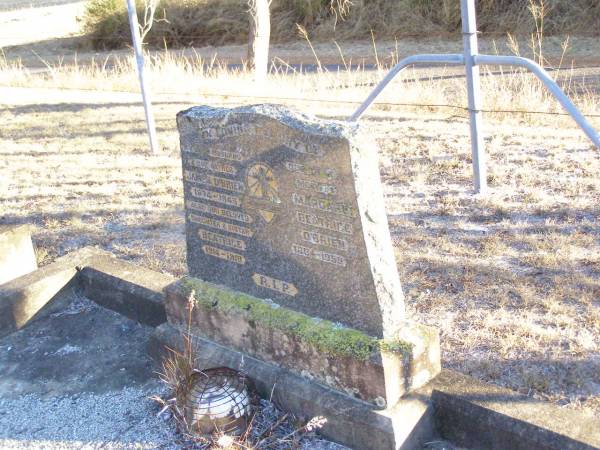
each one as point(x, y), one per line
point(260, 33)
point(148, 20)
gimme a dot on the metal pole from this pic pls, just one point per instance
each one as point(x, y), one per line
point(139, 56)
point(469, 29)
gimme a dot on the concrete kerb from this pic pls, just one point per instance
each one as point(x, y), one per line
point(25, 298)
point(17, 255)
point(113, 283)
point(457, 407)
point(483, 415)
point(131, 290)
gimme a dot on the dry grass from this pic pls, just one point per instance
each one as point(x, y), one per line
point(512, 279)
point(194, 77)
point(216, 22)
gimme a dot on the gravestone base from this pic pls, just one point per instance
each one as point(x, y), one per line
point(408, 425)
point(364, 367)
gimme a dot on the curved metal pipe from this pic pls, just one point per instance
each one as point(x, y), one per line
point(552, 86)
point(455, 59)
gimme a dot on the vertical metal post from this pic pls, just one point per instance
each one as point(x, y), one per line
point(469, 30)
point(139, 56)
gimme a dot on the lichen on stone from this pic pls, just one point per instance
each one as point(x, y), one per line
point(326, 336)
point(395, 346)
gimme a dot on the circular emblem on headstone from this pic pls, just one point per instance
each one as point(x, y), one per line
point(261, 183)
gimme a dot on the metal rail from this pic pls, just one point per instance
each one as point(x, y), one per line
point(454, 59)
point(550, 84)
point(471, 60)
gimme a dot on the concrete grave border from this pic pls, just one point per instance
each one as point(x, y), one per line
point(453, 406)
point(17, 255)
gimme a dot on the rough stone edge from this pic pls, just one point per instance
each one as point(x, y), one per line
point(481, 415)
point(404, 364)
point(290, 117)
point(407, 426)
point(227, 299)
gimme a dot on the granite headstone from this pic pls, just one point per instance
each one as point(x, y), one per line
point(290, 208)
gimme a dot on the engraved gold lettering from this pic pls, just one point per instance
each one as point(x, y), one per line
point(323, 222)
point(224, 254)
point(221, 239)
point(213, 196)
point(326, 257)
point(309, 185)
point(211, 180)
point(222, 212)
point(323, 204)
point(238, 155)
point(317, 172)
point(303, 147)
point(213, 166)
point(235, 129)
point(301, 250)
point(220, 225)
point(274, 284)
point(322, 239)
point(330, 258)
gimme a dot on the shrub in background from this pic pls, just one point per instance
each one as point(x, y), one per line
point(217, 22)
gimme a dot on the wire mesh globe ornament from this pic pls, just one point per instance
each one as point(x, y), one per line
point(218, 401)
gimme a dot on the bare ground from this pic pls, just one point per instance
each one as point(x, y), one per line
point(512, 279)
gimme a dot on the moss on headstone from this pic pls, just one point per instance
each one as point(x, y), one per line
point(324, 335)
